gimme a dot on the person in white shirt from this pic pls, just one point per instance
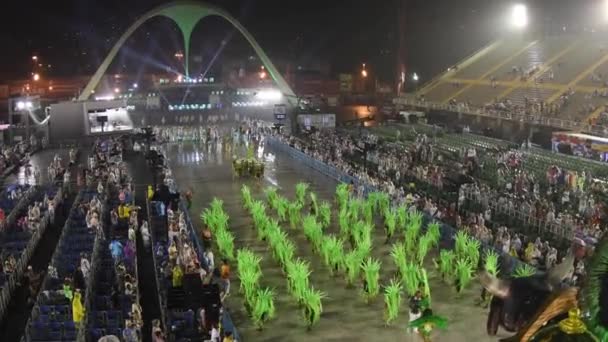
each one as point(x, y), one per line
point(215, 334)
point(85, 267)
point(131, 233)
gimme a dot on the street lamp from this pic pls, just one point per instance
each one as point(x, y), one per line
point(415, 77)
point(363, 70)
point(36, 77)
point(117, 90)
point(34, 58)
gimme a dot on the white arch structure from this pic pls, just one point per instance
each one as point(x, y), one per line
point(186, 14)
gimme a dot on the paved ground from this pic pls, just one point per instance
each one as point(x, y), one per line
point(346, 316)
point(41, 160)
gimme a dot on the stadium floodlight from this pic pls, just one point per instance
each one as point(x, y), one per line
point(269, 94)
point(519, 16)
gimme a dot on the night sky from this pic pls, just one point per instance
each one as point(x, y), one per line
point(73, 36)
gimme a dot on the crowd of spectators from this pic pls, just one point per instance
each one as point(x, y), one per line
point(479, 208)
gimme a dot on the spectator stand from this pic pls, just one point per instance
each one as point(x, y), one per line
point(447, 232)
point(20, 242)
point(183, 315)
point(515, 217)
point(109, 306)
point(52, 317)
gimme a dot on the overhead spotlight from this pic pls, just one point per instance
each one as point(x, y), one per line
point(519, 16)
point(269, 94)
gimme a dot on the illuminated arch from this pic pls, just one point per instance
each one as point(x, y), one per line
point(186, 15)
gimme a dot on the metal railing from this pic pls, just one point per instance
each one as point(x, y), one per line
point(531, 119)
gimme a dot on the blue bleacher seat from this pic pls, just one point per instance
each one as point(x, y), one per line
point(56, 326)
point(69, 325)
point(55, 335)
point(69, 335)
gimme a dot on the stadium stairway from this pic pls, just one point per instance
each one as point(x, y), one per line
point(148, 290)
point(106, 314)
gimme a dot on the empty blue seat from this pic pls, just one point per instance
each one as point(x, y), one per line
point(56, 326)
point(69, 335)
point(55, 335)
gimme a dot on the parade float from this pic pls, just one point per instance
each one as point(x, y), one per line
point(248, 166)
point(541, 307)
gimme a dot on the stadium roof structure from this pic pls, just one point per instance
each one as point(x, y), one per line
point(187, 14)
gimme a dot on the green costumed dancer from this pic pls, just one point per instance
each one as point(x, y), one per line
point(491, 266)
point(332, 250)
point(523, 271)
point(464, 274)
point(325, 214)
point(390, 223)
point(298, 273)
point(313, 306)
point(371, 278)
point(460, 244)
point(411, 277)
point(424, 246)
point(368, 211)
point(344, 222)
point(473, 251)
point(225, 243)
point(402, 217)
point(263, 307)
point(249, 272)
point(399, 256)
point(342, 195)
point(412, 232)
point(295, 209)
point(314, 206)
point(313, 231)
point(383, 202)
point(427, 323)
point(352, 264)
point(433, 231)
point(392, 301)
point(246, 196)
point(301, 189)
point(282, 205)
point(271, 196)
point(446, 264)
